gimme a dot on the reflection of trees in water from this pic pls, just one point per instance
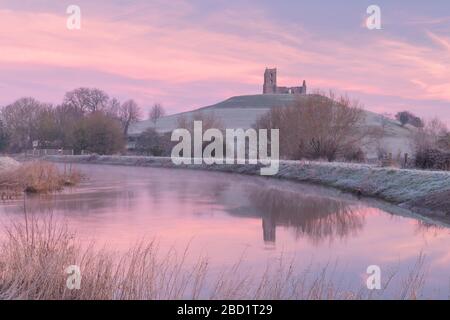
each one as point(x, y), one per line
point(313, 216)
point(316, 217)
point(426, 228)
point(117, 197)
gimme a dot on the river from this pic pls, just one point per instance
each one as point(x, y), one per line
point(228, 217)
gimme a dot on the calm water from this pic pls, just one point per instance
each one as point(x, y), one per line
point(225, 217)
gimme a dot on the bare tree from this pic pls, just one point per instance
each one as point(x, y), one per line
point(129, 113)
point(318, 126)
point(87, 99)
point(432, 146)
point(98, 133)
point(21, 122)
point(113, 108)
point(48, 130)
point(431, 135)
point(67, 117)
point(444, 141)
point(156, 112)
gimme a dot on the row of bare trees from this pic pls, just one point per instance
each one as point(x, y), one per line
point(87, 119)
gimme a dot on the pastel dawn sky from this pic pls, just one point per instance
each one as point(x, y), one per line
point(191, 53)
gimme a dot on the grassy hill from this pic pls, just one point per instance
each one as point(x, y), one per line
point(257, 101)
point(235, 112)
point(243, 111)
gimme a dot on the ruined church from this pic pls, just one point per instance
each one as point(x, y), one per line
point(271, 87)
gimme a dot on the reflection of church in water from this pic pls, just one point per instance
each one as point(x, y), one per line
point(314, 217)
point(269, 229)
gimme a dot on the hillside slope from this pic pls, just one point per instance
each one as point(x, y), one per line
point(243, 111)
point(235, 112)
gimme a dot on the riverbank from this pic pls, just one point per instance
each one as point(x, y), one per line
point(33, 177)
point(424, 192)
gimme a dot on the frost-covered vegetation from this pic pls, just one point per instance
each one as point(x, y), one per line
point(34, 177)
point(7, 163)
point(432, 146)
point(399, 186)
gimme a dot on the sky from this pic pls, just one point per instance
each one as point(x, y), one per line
point(187, 54)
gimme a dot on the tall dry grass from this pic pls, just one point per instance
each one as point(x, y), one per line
point(34, 255)
point(37, 177)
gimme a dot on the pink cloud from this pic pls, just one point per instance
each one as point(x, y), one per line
point(165, 52)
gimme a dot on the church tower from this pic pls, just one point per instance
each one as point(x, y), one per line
point(270, 81)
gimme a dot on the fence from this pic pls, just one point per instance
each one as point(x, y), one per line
point(49, 152)
point(402, 160)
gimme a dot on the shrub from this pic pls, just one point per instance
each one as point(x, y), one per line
point(432, 159)
point(98, 133)
point(354, 155)
point(432, 146)
point(152, 143)
point(407, 117)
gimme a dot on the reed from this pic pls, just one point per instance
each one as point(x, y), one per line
point(34, 255)
point(37, 177)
